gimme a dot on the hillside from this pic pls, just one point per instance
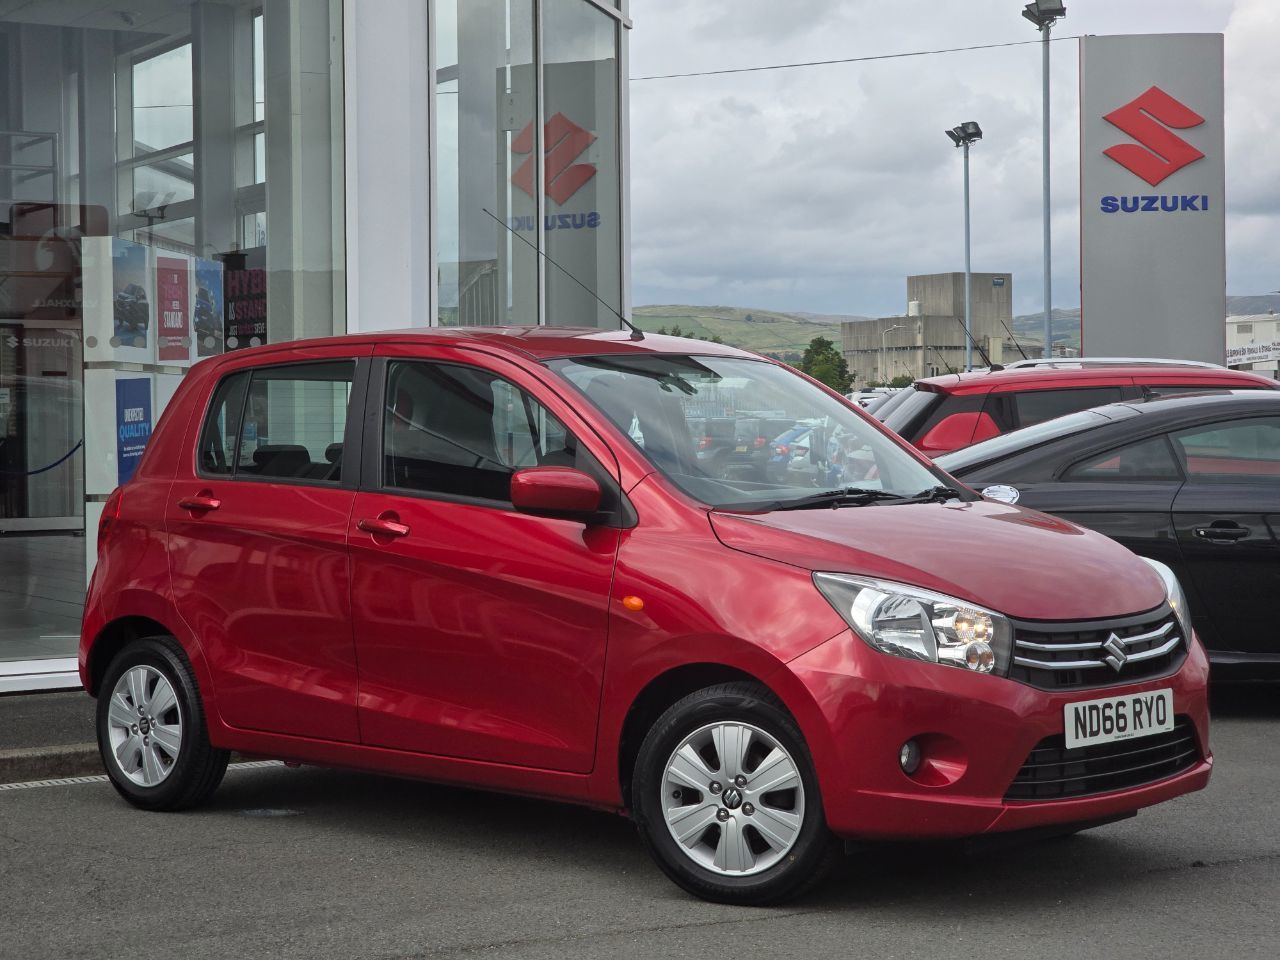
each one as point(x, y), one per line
point(764, 331)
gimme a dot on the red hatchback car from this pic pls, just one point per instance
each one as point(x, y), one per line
point(948, 412)
point(493, 557)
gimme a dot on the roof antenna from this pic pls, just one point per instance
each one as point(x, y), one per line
point(974, 341)
point(636, 332)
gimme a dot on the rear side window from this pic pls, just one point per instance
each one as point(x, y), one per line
point(1036, 406)
point(462, 432)
point(1146, 460)
point(1232, 452)
point(283, 423)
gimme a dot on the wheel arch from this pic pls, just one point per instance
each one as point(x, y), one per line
point(660, 693)
point(113, 638)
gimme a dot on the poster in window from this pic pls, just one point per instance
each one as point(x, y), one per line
point(207, 315)
point(131, 309)
point(245, 286)
point(133, 424)
point(173, 306)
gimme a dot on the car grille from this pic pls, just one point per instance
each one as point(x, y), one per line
point(1065, 656)
point(1052, 772)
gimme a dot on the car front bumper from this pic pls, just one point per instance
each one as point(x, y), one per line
point(976, 732)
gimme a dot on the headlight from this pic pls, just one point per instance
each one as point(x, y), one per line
point(1177, 599)
point(920, 625)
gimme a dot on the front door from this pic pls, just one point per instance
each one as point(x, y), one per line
point(481, 631)
point(258, 526)
point(1227, 517)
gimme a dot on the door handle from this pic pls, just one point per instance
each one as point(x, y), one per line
point(387, 525)
point(1223, 534)
point(202, 502)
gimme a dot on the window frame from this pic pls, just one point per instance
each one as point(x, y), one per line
point(615, 509)
point(352, 436)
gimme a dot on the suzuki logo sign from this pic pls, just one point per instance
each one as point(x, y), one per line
point(1147, 119)
point(565, 143)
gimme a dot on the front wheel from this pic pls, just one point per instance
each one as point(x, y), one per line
point(726, 799)
point(151, 728)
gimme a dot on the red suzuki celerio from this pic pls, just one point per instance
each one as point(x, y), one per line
point(493, 557)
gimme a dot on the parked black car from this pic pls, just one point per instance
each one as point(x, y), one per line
point(1193, 481)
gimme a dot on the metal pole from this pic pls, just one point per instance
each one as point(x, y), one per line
point(968, 292)
point(1044, 152)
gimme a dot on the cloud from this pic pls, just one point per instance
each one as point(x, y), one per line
point(822, 188)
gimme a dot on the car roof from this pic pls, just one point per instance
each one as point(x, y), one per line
point(536, 343)
point(981, 381)
point(1193, 403)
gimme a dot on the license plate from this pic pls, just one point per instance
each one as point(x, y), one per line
point(1118, 718)
point(741, 449)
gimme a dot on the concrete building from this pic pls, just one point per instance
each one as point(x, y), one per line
point(184, 177)
point(930, 338)
point(1253, 343)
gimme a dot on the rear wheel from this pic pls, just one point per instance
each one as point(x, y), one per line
point(151, 728)
point(726, 799)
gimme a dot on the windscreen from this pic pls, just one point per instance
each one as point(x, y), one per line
point(739, 433)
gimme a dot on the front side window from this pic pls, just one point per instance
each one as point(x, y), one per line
point(279, 423)
point(1233, 451)
point(462, 432)
point(741, 433)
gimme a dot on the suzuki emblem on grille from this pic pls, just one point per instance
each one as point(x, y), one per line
point(1116, 657)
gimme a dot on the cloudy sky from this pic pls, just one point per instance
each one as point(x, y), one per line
point(820, 188)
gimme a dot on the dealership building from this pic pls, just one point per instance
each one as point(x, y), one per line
point(180, 178)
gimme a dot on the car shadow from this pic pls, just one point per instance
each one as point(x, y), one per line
point(455, 824)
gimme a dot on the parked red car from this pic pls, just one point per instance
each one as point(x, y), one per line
point(948, 412)
point(492, 557)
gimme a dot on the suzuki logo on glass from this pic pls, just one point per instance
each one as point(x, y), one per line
point(563, 175)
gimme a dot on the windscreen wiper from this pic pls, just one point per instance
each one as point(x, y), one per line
point(938, 494)
point(844, 497)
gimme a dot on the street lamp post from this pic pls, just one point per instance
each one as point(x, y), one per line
point(962, 136)
point(1043, 13)
point(884, 355)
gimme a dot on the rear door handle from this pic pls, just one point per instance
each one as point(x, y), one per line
point(1223, 534)
point(384, 526)
point(201, 503)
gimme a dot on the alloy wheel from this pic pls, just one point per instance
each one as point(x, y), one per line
point(733, 799)
point(144, 725)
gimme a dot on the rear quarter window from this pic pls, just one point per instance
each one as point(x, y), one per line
point(1037, 406)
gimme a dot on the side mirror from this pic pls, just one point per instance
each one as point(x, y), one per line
point(555, 492)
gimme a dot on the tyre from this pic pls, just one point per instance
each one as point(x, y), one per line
point(151, 728)
point(726, 799)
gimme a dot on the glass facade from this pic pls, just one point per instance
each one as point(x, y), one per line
point(174, 183)
point(170, 186)
point(529, 193)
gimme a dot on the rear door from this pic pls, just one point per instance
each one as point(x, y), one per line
point(257, 524)
point(1227, 517)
